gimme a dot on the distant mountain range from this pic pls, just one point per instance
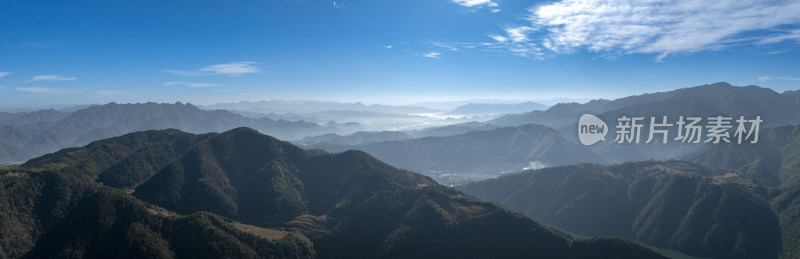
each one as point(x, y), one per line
point(26, 135)
point(490, 152)
point(22, 118)
point(282, 107)
point(775, 109)
point(497, 108)
point(365, 137)
point(241, 194)
point(715, 99)
point(373, 117)
point(58, 130)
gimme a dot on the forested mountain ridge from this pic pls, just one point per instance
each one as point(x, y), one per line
point(244, 194)
point(673, 204)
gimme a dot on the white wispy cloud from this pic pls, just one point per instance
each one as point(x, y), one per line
point(173, 83)
point(233, 68)
point(498, 38)
point(51, 78)
point(186, 72)
point(478, 4)
point(2, 74)
point(201, 85)
point(191, 84)
point(786, 36)
point(432, 54)
point(448, 46)
point(518, 33)
point(767, 78)
point(342, 5)
point(39, 89)
point(388, 46)
point(662, 26)
point(517, 42)
point(110, 93)
point(229, 69)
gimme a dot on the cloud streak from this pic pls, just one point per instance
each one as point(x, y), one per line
point(45, 90)
point(517, 42)
point(662, 26)
point(51, 78)
point(233, 68)
point(478, 4)
point(201, 85)
point(3, 74)
point(432, 54)
point(191, 85)
point(173, 83)
point(228, 69)
point(767, 78)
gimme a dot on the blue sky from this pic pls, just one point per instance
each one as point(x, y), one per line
point(394, 52)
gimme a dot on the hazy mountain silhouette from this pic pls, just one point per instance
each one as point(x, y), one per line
point(286, 106)
point(719, 99)
point(497, 108)
point(22, 118)
point(490, 152)
point(27, 135)
point(705, 100)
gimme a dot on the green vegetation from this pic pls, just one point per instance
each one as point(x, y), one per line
point(240, 194)
point(774, 161)
point(670, 204)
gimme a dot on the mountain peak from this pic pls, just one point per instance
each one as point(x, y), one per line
point(242, 130)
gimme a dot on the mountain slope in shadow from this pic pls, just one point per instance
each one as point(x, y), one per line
point(676, 205)
point(244, 194)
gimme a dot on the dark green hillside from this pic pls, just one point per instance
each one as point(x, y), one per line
point(773, 161)
point(787, 205)
point(31, 203)
point(123, 161)
point(111, 224)
point(240, 194)
point(240, 174)
point(371, 208)
point(675, 205)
